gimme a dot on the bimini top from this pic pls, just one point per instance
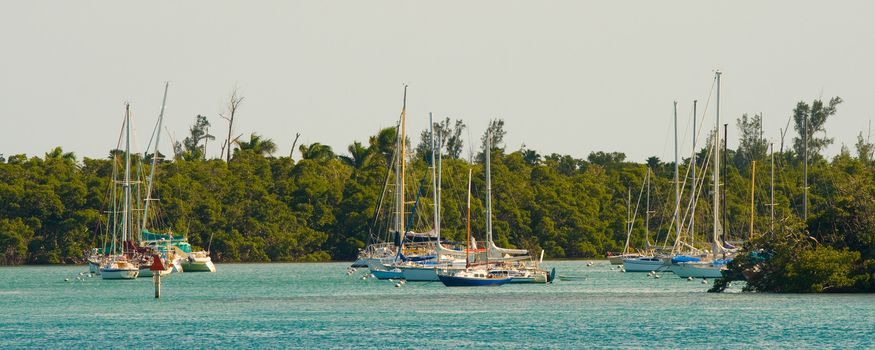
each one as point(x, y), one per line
point(684, 258)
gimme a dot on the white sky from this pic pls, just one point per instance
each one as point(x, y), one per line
point(567, 77)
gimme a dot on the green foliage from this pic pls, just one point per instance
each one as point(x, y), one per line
point(816, 115)
point(751, 144)
point(260, 208)
point(191, 148)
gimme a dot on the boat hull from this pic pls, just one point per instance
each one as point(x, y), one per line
point(198, 266)
point(697, 270)
point(146, 272)
point(419, 274)
point(638, 265)
point(119, 274)
point(453, 281)
point(387, 274)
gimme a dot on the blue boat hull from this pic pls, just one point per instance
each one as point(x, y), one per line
point(452, 281)
point(384, 275)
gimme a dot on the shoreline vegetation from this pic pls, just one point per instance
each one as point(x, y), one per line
point(252, 205)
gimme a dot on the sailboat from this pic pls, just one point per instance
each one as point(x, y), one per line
point(642, 263)
point(381, 257)
point(476, 276)
point(711, 266)
point(617, 259)
point(117, 265)
point(158, 245)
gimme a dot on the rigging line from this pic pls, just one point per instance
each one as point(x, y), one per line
point(704, 112)
point(700, 182)
point(378, 209)
point(635, 213)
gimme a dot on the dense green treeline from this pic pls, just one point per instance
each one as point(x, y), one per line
point(320, 206)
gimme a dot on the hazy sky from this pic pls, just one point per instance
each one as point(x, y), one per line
point(567, 77)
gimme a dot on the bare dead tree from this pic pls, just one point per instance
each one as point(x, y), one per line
point(233, 105)
point(292, 152)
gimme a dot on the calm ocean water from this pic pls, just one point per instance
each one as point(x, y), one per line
point(319, 306)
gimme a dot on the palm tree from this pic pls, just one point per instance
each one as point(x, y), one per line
point(316, 151)
point(58, 153)
point(257, 145)
point(359, 155)
point(384, 142)
point(531, 157)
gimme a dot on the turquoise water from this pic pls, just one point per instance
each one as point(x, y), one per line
point(319, 306)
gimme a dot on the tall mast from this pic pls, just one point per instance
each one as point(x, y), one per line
point(434, 184)
point(439, 145)
point(677, 184)
point(154, 159)
point(693, 165)
point(488, 191)
point(805, 167)
point(725, 164)
point(772, 190)
point(127, 183)
point(402, 161)
point(468, 222)
point(717, 168)
point(753, 176)
point(647, 212)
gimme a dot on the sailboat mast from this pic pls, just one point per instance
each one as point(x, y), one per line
point(753, 176)
point(434, 184)
point(717, 168)
point(694, 193)
point(677, 184)
point(488, 150)
point(438, 190)
point(772, 190)
point(154, 159)
point(725, 171)
point(127, 183)
point(647, 213)
point(468, 222)
point(403, 164)
point(805, 167)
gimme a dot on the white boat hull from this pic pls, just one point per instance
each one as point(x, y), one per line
point(638, 265)
point(198, 266)
point(697, 270)
point(119, 274)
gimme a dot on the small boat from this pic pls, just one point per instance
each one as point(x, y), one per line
point(471, 278)
point(119, 268)
point(387, 274)
point(699, 269)
point(146, 268)
point(644, 264)
point(618, 259)
point(198, 261)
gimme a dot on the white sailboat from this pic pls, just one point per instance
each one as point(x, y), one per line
point(712, 267)
point(117, 266)
point(641, 263)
